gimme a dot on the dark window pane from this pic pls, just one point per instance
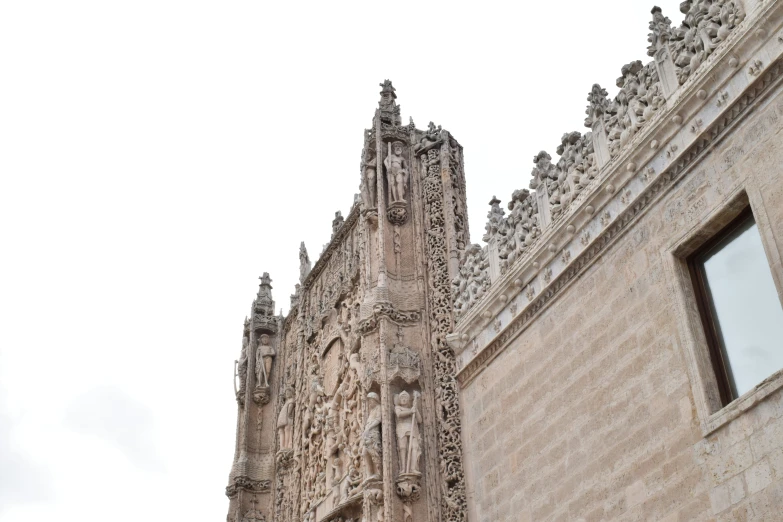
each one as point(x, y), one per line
point(746, 307)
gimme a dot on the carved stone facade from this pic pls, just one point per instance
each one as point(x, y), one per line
point(546, 374)
point(351, 412)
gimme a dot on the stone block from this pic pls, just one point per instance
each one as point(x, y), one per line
point(758, 477)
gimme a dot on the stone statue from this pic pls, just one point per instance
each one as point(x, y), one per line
point(304, 262)
point(369, 182)
point(431, 137)
point(372, 438)
point(408, 417)
point(264, 355)
point(397, 172)
point(285, 421)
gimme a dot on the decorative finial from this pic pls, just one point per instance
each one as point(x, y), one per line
point(387, 87)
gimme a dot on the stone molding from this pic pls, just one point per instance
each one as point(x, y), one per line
point(247, 484)
point(672, 147)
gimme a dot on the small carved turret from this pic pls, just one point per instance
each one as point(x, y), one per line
point(264, 307)
point(337, 223)
point(390, 111)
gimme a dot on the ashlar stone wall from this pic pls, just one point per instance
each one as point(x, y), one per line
point(584, 392)
point(589, 413)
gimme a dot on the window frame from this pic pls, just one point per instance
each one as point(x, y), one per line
point(721, 366)
point(710, 411)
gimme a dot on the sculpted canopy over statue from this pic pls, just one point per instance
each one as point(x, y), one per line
point(397, 172)
point(264, 355)
point(408, 416)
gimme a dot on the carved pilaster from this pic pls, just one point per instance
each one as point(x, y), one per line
point(452, 479)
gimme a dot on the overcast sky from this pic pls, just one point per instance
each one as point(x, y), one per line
point(157, 156)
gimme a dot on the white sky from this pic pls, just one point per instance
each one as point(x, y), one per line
point(157, 156)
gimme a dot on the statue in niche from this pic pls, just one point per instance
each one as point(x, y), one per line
point(368, 181)
point(285, 421)
point(408, 417)
point(372, 438)
point(264, 355)
point(397, 172)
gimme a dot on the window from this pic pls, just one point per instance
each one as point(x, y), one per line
point(739, 307)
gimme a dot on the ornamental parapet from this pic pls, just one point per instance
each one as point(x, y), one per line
point(706, 73)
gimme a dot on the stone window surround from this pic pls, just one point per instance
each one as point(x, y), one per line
point(711, 413)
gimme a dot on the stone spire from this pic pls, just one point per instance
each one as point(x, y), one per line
point(304, 263)
point(264, 306)
point(390, 111)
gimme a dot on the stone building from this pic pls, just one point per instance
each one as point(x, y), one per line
point(612, 352)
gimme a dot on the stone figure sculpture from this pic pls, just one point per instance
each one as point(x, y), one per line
point(368, 188)
point(285, 421)
point(397, 172)
point(371, 437)
point(430, 138)
point(408, 416)
point(264, 355)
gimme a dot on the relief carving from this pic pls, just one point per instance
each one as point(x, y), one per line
point(285, 422)
point(371, 438)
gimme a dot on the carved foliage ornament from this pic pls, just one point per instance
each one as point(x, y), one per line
point(644, 88)
point(453, 500)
